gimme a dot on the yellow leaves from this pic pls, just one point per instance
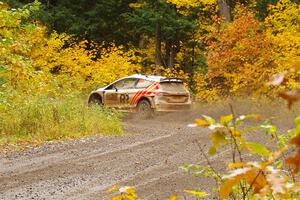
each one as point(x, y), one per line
point(3, 6)
point(283, 16)
point(190, 3)
point(125, 193)
point(207, 122)
point(173, 197)
point(196, 193)
point(114, 64)
point(282, 28)
point(55, 64)
point(112, 189)
point(201, 122)
point(226, 119)
point(237, 165)
point(217, 138)
point(185, 7)
point(137, 5)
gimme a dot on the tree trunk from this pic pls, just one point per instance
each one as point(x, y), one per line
point(172, 56)
point(142, 42)
point(158, 45)
point(224, 10)
point(167, 57)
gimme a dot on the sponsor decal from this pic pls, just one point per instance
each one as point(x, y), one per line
point(147, 91)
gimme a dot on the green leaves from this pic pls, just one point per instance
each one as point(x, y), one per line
point(226, 119)
point(258, 149)
point(297, 121)
point(269, 129)
point(209, 119)
point(217, 138)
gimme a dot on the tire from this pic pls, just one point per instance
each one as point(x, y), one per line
point(95, 99)
point(144, 109)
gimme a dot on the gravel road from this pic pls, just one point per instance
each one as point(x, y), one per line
point(148, 157)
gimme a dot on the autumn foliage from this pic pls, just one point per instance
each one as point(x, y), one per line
point(44, 76)
point(240, 60)
point(270, 177)
point(33, 61)
point(244, 54)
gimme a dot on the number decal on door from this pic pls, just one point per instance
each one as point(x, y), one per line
point(124, 98)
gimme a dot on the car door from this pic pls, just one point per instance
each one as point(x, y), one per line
point(110, 96)
point(125, 91)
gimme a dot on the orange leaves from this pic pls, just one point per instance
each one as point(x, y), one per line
point(243, 56)
point(295, 160)
point(240, 58)
point(291, 96)
point(262, 180)
point(255, 179)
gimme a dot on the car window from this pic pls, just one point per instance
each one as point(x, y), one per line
point(125, 83)
point(172, 86)
point(142, 83)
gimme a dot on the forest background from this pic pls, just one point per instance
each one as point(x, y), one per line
point(53, 53)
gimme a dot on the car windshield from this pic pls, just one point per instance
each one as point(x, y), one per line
point(172, 86)
point(126, 83)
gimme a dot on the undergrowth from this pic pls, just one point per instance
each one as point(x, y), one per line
point(36, 119)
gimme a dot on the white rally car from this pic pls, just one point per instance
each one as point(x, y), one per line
point(144, 94)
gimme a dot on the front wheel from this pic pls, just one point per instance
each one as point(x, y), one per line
point(95, 99)
point(144, 109)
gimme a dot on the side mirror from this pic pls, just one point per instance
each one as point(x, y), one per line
point(115, 88)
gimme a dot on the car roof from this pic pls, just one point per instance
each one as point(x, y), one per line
point(147, 77)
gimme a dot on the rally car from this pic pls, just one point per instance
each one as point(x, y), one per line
point(144, 94)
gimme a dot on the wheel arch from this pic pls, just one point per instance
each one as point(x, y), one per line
point(94, 96)
point(149, 99)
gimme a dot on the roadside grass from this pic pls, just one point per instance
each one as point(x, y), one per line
point(36, 120)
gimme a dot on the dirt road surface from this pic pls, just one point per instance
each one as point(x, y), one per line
point(148, 157)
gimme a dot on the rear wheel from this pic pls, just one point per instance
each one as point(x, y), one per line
point(144, 109)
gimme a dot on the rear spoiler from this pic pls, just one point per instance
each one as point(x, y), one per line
point(173, 80)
